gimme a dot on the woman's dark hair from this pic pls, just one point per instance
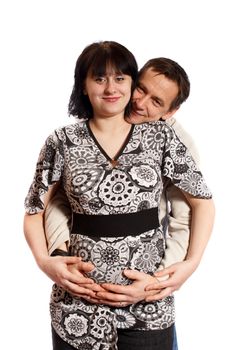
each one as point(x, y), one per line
point(173, 71)
point(95, 59)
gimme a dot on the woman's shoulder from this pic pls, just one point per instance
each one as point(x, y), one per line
point(157, 126)
point(68, 128)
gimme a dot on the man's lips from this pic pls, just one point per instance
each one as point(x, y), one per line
point(137, 113)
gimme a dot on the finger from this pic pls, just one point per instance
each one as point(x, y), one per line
point(85, 266)
point(78, 279)
point(115, 288)
point(77, 272)
point(95, 287)
point(133, 274)
point(154, 287)
point(112, 297)
point(169, 283)
point(164, 272)
point(152, 293)
point(161, 285)
point(78, 290)
point(71, 259)
point(163, 294)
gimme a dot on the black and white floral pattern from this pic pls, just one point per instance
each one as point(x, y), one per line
point(94, 187)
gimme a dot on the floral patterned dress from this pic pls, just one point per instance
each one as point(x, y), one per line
point(122, 190)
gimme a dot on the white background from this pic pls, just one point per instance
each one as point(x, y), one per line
point(40, 41)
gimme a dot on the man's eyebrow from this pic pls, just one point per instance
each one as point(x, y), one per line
point(158, 100)
point(154, 98)
point(142, 86)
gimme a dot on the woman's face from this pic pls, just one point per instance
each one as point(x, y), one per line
point(108, 94)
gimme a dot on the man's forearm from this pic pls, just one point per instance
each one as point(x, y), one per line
point(34, 234)
point(57, 222)
point(201, 228)
point(179, 219)
point(179, 213)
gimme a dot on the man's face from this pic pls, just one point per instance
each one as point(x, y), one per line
point(152, 98)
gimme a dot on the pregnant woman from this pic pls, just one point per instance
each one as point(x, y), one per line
point(111, 172)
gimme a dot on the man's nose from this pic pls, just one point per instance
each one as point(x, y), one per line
point(140, 102)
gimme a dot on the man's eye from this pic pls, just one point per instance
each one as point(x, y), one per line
point(139, 89)
point(156, 103)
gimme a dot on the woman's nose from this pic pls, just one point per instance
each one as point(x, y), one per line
point(110, 87)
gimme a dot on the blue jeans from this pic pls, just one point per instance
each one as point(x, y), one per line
point(175, 345)
point(130, 340)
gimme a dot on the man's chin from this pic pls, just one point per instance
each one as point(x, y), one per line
point(135, 119)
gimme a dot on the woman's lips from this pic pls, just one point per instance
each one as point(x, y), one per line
point(111, 99)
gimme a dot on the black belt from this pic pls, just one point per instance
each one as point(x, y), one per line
point(115, 225)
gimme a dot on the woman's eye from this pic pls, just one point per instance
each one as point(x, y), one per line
point(99, 79)
point(120, 78)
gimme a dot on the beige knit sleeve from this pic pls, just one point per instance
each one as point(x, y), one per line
point(176, 209)
point(57, 221)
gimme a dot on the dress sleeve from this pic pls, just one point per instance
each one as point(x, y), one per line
point(49, 169)
point(180, 167)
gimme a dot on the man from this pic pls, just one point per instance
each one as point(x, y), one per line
point(162, 87)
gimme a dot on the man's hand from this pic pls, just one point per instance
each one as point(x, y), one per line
point(121, 296)
point(69, 273)
point(177, 274)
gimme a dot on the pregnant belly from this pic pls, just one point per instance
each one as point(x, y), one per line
point(111, 256)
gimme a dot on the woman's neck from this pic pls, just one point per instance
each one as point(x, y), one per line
point(109, 124)
point(110, 133)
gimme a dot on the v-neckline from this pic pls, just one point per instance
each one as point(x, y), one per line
point(113, 160)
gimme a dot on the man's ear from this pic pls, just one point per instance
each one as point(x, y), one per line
point(170, 114)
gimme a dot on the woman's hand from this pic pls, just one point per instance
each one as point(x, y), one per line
point(176, 275)
point(69, 273)
point(121, 296)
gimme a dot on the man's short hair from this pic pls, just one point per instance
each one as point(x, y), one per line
point(173, 71)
